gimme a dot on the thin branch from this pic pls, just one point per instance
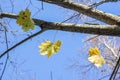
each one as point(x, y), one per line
point(91, 38)
point(28, 38)
point(74, 15)
point(11, 2)
point(112, 77)
point(106, 76)
point(51, 75)
point(111, 49)
point(6, 61)
point(42, 5)
point(102, 2)
point(71, 17)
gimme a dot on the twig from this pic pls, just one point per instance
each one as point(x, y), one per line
point(93, 37)
point(106, 76)
point(39, 32)
point(102, 2)
point(51, 75)
point(65, 21)
point(111, 50)
point(6, 61)
point(42, 4)
point(112, 77)
point(12, 5)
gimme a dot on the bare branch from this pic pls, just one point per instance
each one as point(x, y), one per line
point(102, 2)
point(111, 49)
point(93, 37)
point(86, 10)
point(113, 75)
point(6, 61)
point(111, 30)
point(26, 39)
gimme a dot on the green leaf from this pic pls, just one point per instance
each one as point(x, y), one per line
point(25, 20)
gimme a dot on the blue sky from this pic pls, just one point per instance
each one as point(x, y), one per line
point(29, 64)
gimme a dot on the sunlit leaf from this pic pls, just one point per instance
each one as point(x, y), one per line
point(25, 20)
point(97, 60)
point(48, 48)
point(95, 57)
point(94, 51)
point(57, 46)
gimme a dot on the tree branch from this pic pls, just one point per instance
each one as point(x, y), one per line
point(111, 49)
point(113, 75)
point(111, 30)
point(86, 10)
point(6, 61)
point(102, 2)
point(1, 55)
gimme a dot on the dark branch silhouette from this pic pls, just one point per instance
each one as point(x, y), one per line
point(1, 55)
point(113, 75)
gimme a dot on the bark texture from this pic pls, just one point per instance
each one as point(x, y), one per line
point(89, 11)
point(111, 30)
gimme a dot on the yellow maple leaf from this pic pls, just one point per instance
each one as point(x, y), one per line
point(95, 57)
point(57, 46)
point(48, 48)
point(25, 21)
point(97, 60)
point(94, 51)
